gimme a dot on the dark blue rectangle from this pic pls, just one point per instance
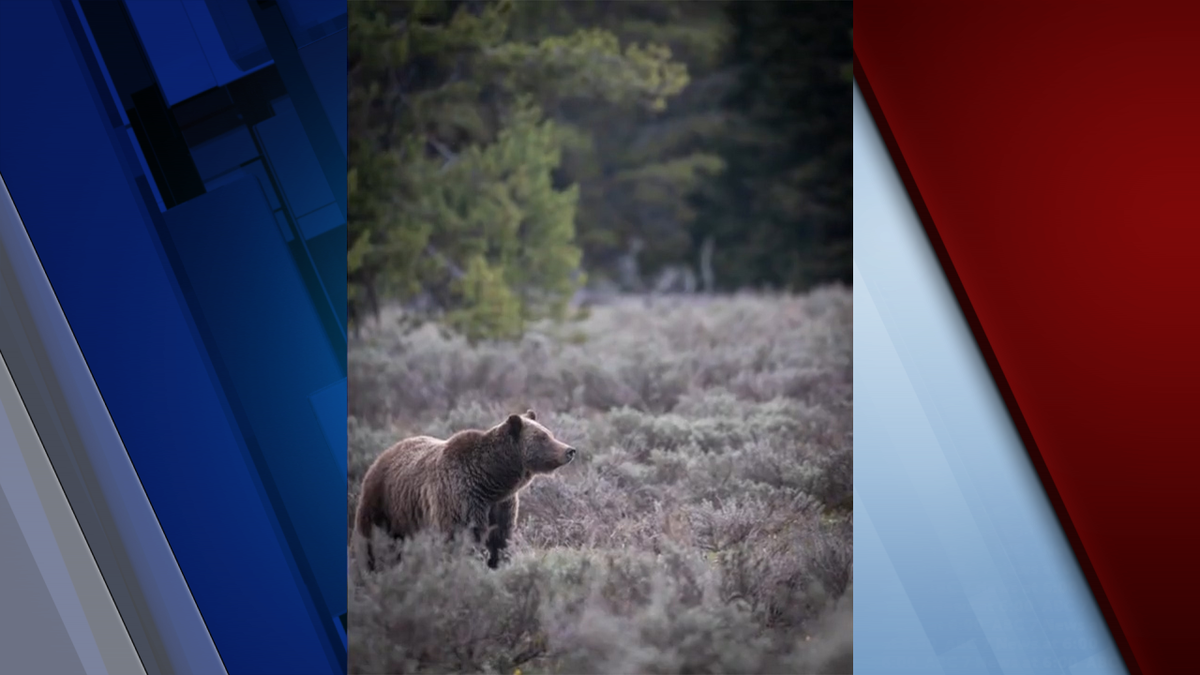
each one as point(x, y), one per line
point(271, 341)
point(74, 178)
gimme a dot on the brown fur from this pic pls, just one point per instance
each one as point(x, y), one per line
point(470, 480)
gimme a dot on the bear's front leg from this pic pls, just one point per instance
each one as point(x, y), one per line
point(477, 523)
point(502, 521)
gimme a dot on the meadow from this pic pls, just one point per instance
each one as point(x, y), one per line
point(705, 528)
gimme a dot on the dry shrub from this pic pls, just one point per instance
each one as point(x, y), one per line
point(705, 527)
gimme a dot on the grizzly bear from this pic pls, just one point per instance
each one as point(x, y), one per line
point(468, 481)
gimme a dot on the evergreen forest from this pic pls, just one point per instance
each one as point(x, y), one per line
point(510, 158)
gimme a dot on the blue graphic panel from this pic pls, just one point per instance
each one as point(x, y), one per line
point(225, 153)
point(269, 339)
point(329, 404)
point(312, 20)
point(223, 68)
point(239, 33)
point(171, 44)
point(960, 563)
point(321, 221)
point(325, 60)
point(292, 159)
point(213, 336)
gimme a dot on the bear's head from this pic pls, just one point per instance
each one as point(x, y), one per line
point(540, 451)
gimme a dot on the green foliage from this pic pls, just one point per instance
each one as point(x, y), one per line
point(500, 150)
point(590, 64)
point(640, 164)
point(781, 212)
point(453, 197)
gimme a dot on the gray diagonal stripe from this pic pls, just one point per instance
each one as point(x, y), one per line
point(94, 472)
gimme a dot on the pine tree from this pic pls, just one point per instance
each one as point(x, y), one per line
point(637, 166)
point(781, 214)
point(453, 197)
point(500, 149)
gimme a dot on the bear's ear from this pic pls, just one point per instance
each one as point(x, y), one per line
point(530, 414)
point(514, 425)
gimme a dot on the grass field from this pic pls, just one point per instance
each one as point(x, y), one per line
point(706, 527)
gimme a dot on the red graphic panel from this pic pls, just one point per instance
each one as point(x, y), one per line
point(1053, 153)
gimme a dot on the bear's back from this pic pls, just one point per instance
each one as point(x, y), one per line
point(417, 453)
point(393, 485)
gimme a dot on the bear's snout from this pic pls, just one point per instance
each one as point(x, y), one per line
point(570, 454)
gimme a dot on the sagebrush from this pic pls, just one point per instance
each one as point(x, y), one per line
point(705, 528)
